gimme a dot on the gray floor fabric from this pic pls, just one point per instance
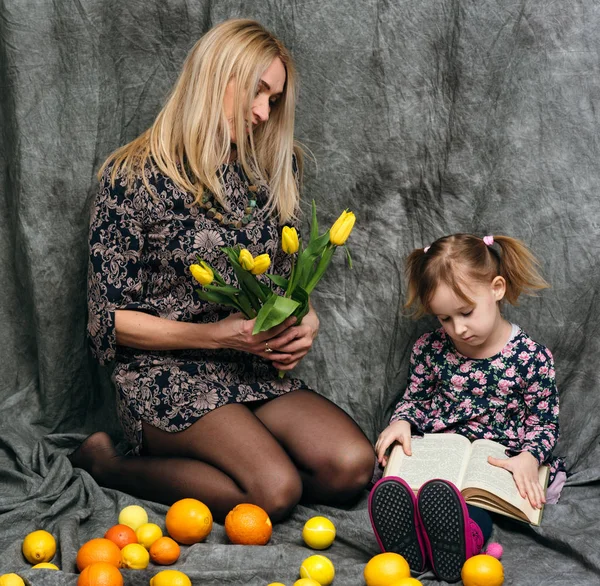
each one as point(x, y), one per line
point(424, 117)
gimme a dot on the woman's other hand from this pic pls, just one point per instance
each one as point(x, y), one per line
point(291, 345)
point(399, 431)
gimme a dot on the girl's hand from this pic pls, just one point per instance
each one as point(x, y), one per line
point(399, 431)
point(524, 469)
point(292, 345)
point(235, 332)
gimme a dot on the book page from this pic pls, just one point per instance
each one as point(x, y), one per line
point(482, 475)
point(441, 455)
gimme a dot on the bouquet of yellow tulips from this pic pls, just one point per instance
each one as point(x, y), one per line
point(257, 300)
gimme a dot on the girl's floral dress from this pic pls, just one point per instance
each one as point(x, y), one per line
point(510, 398)
point(141, 246)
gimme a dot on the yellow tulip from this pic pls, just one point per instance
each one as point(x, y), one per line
point(289, 240)
point(202, 273)
point(339, 232)
point(246, 259)
point(261, 263)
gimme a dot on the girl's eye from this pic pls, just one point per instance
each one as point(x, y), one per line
point(468, 313)
point(444, 319)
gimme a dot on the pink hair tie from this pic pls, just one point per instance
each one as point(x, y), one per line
point(426, 249)
point(488, 240)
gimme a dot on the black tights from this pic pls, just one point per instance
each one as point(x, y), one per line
point(296, 446)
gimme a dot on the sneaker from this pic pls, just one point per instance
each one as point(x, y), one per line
point(450, 536)
point(393, 513)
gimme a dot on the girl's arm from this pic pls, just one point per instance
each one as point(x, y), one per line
point(415, 404)
point(541, 398)
point(541, 433)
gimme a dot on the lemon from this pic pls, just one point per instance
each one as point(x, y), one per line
point(271, 584)
point(170, 578)
point(44, 566)
point(318, 532)
point(386, 568)
point(39, 546)
point(482, 570)
point(407, 582)
point(133, 516)
point(11, 580)
point(148, 533)
point(319, 568)
point(306, 582)
point(135, 557)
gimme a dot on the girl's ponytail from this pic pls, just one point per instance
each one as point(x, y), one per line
point(519, 267)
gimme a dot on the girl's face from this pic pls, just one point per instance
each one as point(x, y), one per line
point(477, 329)
point(270, 89)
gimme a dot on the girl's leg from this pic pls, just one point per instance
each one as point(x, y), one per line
point(333, 455)
point(450, 536)
point(223, 459)
point(393, 513)
point(483, 520)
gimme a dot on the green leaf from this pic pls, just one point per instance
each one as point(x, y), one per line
point(301, 296)
point(314, 226)
point(278, 280)
point(306, 260)
point(275, 311)
point(224, 289)
point(348, 257)
point(214, 297)
point(321, 268)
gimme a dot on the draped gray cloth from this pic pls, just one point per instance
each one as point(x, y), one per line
point(424, 117)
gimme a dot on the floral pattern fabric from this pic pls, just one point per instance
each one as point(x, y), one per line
point(510, 398)
point(141, 245)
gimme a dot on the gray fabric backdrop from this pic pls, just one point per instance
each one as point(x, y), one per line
point(424, 116)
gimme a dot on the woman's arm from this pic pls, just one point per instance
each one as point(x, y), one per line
point(141, 330)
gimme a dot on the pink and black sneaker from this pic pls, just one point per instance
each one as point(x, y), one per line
point(450, 536)
point(393, 512)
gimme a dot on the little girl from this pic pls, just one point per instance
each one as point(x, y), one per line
point(478, 375)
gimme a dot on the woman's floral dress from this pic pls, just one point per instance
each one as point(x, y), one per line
point(510, 398)
point(141, 246)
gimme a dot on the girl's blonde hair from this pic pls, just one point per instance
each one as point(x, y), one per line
point(190, 138)
point(459, 258)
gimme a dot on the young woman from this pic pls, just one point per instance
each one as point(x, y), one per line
point(198, 395)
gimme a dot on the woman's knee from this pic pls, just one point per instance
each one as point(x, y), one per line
point(349, 470)
point(277, 492)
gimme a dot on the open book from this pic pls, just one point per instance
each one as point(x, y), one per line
point(453, 457)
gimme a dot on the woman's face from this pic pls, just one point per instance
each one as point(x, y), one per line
point(270, 88)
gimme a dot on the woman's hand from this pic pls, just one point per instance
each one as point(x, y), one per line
point(399, 431)
point(292, 345)
point(235, 332)
point(524, 469)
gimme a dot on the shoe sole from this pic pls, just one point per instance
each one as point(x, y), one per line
point(392, 509)
point(444, 516)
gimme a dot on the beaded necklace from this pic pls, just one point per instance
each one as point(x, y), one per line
point(218, 216)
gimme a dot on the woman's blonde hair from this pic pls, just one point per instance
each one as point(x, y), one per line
point(459, 259)
point(190, 138)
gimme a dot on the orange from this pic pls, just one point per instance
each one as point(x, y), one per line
point(248, 524)
point(407, 582)
point(386, 568)
point(189, 521)
point(122, 535)
point(482, 570)
point(100, 574)
point(164, 551)
point(98, 550)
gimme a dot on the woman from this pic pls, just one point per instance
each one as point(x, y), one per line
point(198, 394)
